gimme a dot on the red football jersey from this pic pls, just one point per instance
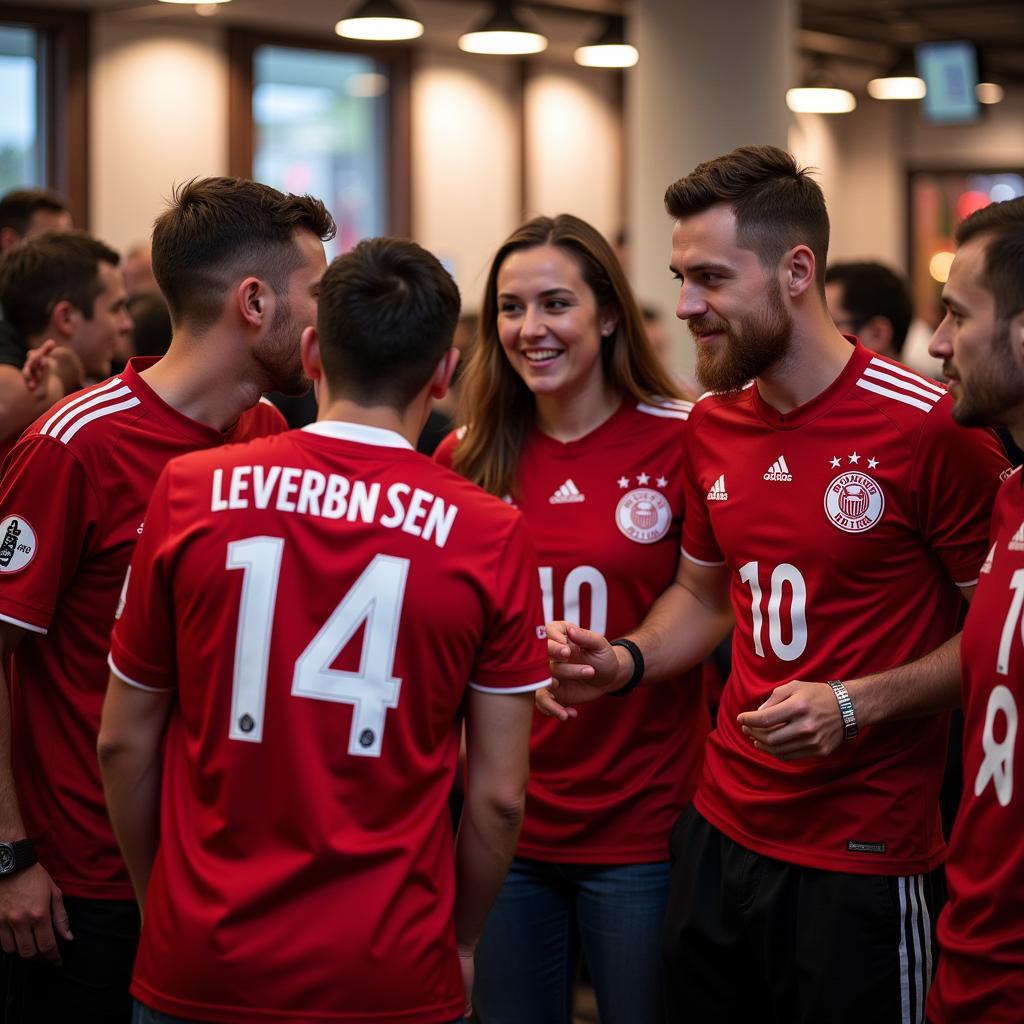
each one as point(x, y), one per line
point(847, 526)
point(320, 600)
point(72, 497)
point(605, 514)
point(980, 979)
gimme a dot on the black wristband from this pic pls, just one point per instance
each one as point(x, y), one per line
point(638, 668)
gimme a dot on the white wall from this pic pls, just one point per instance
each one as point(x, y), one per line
point(465, 162)
point(574, 146)
point(157, 115)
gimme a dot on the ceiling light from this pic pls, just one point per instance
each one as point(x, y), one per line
point(820, 100)
point(609, 49)
point(821, 94)
point(939, 264)
point(208, 3)
point(502, 33)
point(989, 92)
point(901, 82)
point(379, 21)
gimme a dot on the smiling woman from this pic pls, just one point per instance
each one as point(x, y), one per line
point(570, 415)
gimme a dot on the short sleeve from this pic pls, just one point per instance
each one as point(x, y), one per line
point(142, 648)
point(957, 473)
point(698, 544)
point(513, 658)
point(49, 513)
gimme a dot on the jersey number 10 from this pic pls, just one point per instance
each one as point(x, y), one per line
point(375, 598)
point(782, 575)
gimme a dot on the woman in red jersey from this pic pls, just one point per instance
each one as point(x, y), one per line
point(570, 416)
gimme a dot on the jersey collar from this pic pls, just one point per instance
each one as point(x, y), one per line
point(859, 359)
point(358, 432)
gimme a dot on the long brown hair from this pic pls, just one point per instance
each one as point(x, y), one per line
point(496, 406)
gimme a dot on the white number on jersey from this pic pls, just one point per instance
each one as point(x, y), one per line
point(1013, 620)
point(782, 575)
point(575, 581)
point(998, 763)
point(375, 598)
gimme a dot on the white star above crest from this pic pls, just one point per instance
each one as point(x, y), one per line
point(854, 459)
point(872, 463)
point(835, 463)
point(642, 479)
point(662, 481)
point(623, 482)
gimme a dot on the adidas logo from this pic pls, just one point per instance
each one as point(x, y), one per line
point(1017, 540)
point(566, 494)
point(987, 567)
point(779, 471)
point(718, 491)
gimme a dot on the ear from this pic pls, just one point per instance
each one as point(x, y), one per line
point(609, 321)
point(8, 238)
point(443, 373)
point(254, 301)
point(798, 269)
point(309, 353)
point(1017, 337)
point(64, 317)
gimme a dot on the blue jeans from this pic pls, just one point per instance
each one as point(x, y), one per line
point(527, 959)
point(144, 1015)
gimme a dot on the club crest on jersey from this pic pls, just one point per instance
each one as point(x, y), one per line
point(643, 515)
point(17, 544)
point(854, 502)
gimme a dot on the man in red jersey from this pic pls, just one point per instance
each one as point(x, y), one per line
point(239, 264)
point(307, 619)
point(980, 976)
point(833, 503)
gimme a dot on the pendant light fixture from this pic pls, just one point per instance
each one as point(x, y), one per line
point(379, 21)
point(900, 83)
point(609, 49)
point(821, 95)
point(503, 33)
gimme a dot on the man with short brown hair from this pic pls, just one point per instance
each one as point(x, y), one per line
point(72, 497)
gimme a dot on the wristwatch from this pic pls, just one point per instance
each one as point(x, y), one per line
point(14, 856)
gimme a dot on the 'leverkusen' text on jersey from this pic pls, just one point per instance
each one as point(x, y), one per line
point(72, 498)
point(847, 526)
point(980, 978)
point(320, 600)
point(605, 513)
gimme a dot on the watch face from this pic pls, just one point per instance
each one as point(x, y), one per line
point(6, 859)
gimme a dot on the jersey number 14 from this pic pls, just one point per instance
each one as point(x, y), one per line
point(375, 598)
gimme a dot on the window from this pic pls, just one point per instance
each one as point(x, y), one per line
point(324, 121)
point(42, 115)
point(22, 138)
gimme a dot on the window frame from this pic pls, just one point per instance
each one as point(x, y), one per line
point(242, 46)
point(66, 122)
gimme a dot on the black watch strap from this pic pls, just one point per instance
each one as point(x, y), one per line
point(638, 668)
point(14, 856)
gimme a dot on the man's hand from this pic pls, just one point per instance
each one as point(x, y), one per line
point(584, 666)
point(467, 967)
point(47, 359)
point(798, 720)
point(31, 909)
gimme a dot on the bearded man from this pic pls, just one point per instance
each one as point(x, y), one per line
point(835, 508)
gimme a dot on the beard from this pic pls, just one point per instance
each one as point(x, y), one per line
point(753, 345)
point(279, 353)
point(995, 386)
